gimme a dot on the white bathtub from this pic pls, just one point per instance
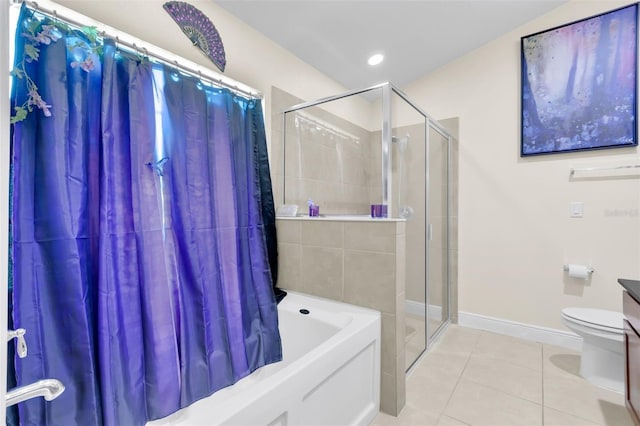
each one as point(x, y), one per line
point(330, 373)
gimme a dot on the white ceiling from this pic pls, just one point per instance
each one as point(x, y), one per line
point(416, 37)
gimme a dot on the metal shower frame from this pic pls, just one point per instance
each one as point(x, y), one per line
point(388, 89)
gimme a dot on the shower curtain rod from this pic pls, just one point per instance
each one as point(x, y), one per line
point(139, 46)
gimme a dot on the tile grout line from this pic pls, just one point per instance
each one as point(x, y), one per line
point(453, 391)
point(458, 382)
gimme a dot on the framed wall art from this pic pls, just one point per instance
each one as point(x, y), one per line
point(579, 85)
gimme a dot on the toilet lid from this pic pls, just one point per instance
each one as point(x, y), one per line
point(599, 317)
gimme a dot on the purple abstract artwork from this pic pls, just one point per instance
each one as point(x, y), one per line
point(579, 85)
point(200, 30)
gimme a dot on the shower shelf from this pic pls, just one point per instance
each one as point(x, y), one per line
point(342, 218)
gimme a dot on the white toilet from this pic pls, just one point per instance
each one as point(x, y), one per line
point(602, 360)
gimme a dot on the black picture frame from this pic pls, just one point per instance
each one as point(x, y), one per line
point(579, 85)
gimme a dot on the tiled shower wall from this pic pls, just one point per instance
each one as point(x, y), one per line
point(357, 262)
point(328, 159)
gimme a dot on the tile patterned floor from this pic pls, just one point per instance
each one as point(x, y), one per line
point(476, 378)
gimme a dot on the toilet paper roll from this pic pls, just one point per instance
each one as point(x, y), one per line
point(578, 271)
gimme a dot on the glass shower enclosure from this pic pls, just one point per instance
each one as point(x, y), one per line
point(348, 152)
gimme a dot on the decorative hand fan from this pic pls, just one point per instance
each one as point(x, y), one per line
point(199, 29)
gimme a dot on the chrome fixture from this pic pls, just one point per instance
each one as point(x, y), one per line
point(50, 389)
point(21, 343)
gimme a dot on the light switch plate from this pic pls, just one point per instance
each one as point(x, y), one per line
point(576, 209)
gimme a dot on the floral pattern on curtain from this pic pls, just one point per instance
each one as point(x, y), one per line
point(140, 255)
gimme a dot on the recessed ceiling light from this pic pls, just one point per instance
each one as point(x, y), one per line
point(375, 59)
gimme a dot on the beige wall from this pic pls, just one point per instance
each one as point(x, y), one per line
point(515, 233)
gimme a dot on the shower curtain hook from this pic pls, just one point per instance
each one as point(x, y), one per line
point(137, 50)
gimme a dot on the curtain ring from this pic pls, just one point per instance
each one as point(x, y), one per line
point(117, 44)
point(146, 53)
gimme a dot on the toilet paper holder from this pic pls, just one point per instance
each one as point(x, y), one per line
point(590, 270)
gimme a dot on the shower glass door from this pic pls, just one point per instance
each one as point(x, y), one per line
point(438, 213)
point(409, 201)
point(420, 176)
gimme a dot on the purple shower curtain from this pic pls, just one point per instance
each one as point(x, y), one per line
point(141, 270)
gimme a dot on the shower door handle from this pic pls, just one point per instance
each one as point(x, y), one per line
point(429, 232)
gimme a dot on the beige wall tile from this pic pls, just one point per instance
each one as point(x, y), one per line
point(388, 394)
point(277, 185)
point(288, 230)
point(322, 234)
point(322, 271)
point(369, 280)
point(370, 236)
point(401, 265)
point(289, 266)
point(291, 190)
point(401, 383)
point(355, 200)
point(401, 348)
point(388, 351)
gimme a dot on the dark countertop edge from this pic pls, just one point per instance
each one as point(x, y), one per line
point(632, 286)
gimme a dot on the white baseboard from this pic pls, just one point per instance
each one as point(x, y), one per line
point(550, 336)
point(535, 333)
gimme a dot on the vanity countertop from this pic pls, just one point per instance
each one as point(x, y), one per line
point(632, 286)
